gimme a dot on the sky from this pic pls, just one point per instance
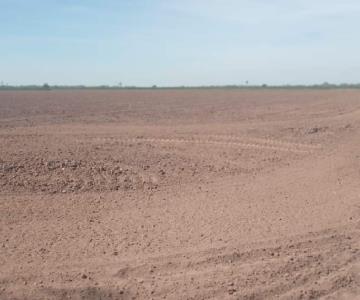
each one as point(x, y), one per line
point(179, 42)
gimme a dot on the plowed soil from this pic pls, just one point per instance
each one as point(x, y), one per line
point(180, 194)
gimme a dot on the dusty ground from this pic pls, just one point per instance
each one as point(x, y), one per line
point(185, 194)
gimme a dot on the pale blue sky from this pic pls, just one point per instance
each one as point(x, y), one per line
point(179, 42)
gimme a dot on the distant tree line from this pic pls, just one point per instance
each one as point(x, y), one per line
point(47, 87)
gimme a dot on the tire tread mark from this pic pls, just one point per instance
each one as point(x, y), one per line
point(221, 143)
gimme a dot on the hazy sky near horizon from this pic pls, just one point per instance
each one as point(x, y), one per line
point(179, 42)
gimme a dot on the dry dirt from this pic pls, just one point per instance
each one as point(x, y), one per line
point(180, 194)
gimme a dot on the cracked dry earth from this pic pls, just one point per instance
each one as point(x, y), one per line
point(180, 194)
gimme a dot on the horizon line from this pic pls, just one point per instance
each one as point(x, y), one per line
point(47, 86)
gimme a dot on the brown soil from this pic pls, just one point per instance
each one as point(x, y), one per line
point(180, 194)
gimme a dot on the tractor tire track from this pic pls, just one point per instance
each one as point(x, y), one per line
point(310, 266)
point(248, 145)
point(265, 141)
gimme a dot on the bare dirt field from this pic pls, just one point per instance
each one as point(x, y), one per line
point(180, 194)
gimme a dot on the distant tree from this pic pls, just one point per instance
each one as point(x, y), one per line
point(46, 86)
point(154, 86)
point(264, 85)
